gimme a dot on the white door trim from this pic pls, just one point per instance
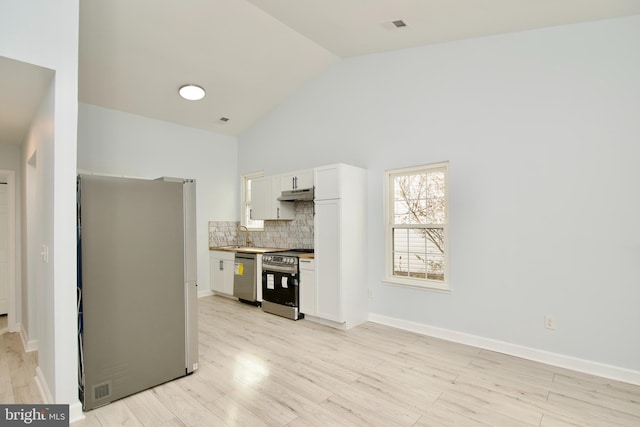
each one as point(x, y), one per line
point(11, 235)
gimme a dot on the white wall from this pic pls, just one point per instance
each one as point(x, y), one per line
point(45, 33)
point(10, 156)
point(40, 281)
point(113, 142)
point(541, 130)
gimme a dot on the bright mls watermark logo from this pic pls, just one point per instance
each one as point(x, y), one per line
point(34, 415)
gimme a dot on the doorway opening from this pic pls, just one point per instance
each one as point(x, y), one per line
point(8, 284)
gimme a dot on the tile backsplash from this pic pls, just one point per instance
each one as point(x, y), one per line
point(297, 233)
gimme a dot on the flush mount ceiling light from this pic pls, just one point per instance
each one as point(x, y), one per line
point(191, 92)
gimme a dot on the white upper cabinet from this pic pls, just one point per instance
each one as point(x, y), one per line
point(298, 180)
point(260, 197)
point(265, 204)
point(328, 182)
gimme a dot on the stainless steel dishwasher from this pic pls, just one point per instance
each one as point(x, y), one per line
point(244, 278)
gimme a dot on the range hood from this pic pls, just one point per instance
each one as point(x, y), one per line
point(306, 194)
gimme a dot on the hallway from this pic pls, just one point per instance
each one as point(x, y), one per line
point(17, 370)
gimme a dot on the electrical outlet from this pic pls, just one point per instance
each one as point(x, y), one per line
point(550, 322)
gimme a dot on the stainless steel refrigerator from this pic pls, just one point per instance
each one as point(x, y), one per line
point(137, 291)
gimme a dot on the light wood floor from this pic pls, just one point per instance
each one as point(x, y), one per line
point(17, 371)
point(257, 369)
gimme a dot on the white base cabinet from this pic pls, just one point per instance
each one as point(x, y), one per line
point(341, 288)
point(259, 277)
point(221, 264)
point(307, 287)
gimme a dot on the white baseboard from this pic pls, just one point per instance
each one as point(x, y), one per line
point(204, 293)
point(75, 412)
point(75, 408)
point(554, 359)
point(27, 345)
point(227, 296)
point(43, 387)
point(325, 322)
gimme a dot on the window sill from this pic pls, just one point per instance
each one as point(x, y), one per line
point(426, 285)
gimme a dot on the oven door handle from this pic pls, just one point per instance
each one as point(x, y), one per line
point(278, 269)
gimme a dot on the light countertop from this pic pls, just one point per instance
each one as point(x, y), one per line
point(255, 250)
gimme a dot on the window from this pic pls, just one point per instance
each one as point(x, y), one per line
point(418, 226)
point(255, 224)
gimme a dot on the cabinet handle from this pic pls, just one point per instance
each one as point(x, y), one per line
point(306, 261)
point(250, 213)
point(221, 265)
point(293, 182)
point(278, 213)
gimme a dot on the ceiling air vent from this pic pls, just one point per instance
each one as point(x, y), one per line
point(394, 25)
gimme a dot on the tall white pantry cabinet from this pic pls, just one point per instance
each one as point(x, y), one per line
point(340, 222)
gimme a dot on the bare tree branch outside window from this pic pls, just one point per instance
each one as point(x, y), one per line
point(419, 216)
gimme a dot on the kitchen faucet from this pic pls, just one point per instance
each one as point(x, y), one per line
point(247, 240)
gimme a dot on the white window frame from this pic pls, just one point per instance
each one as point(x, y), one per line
point(389, 215)
point(244, 203)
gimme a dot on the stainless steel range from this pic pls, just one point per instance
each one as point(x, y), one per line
point(281, 283)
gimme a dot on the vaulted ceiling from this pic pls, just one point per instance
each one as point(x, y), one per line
point(250, 55)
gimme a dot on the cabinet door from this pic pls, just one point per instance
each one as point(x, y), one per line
point(327, 259)
point(221, 266)
point(327, 180)
point(280, 210)
point(265, 204)
point(297, 180)
point(216, 266)
point(304, 179)
point(259, 277)
point(227, 276)
point(261, 198)
point(307, 287)
point(287, 181)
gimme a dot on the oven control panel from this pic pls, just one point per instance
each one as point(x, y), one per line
point(279, 260)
